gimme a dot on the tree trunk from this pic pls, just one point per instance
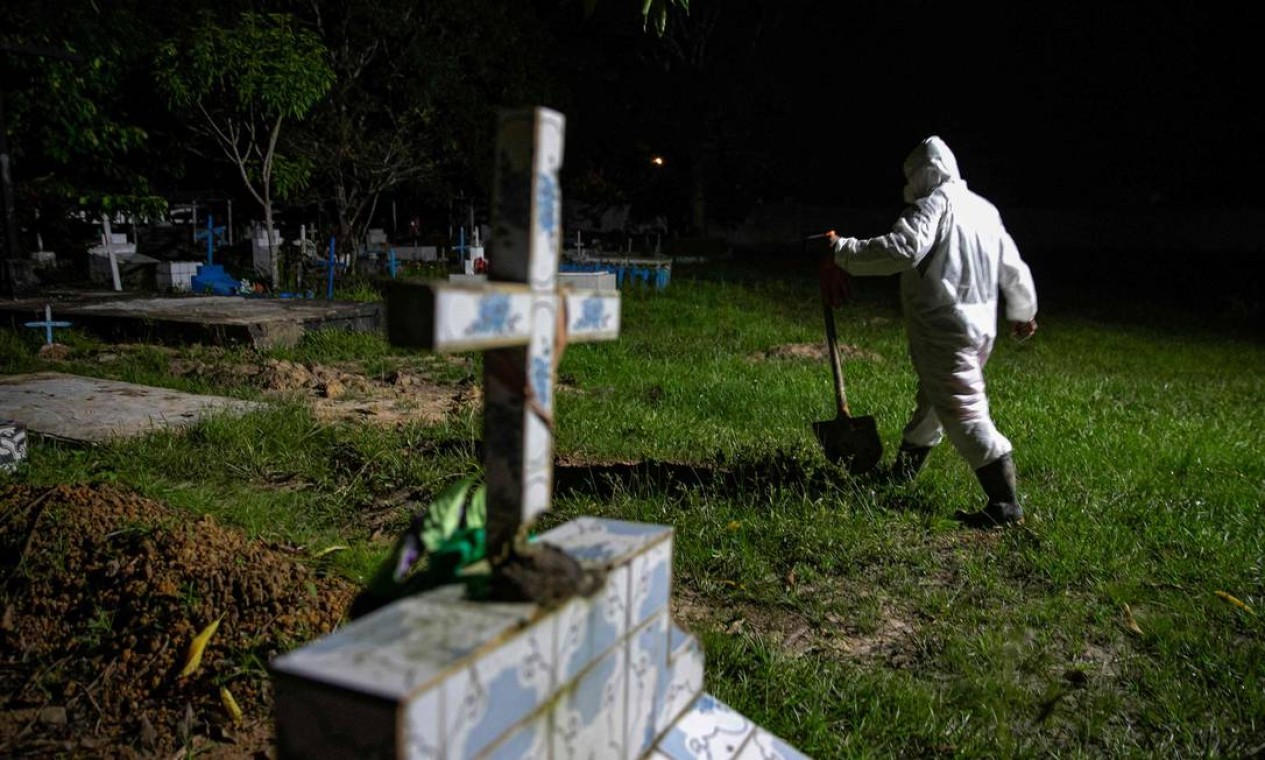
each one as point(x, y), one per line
point(272, 253)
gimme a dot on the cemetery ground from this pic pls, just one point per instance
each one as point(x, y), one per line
point(848, 615)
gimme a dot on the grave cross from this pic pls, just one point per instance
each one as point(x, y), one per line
point(48, 324)
point(515, 320)
point(211, 234)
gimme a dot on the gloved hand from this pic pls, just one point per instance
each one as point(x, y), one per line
point(836, 284)
point(1023, 330)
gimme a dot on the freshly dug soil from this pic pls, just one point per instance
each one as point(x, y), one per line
point(102, 592)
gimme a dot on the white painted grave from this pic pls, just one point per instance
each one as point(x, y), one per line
point(176, 276)
point(438, 675)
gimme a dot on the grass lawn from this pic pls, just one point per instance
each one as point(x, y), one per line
point(850, 616)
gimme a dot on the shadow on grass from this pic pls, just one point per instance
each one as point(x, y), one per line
point(780, 473)
point(742, 477)
point(736, 478)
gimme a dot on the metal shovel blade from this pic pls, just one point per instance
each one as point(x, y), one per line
point(850, 441)
point(846, 440)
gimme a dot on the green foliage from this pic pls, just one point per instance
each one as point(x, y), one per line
point(243, 82)
point(413, 105)
point(264, 67)
point(656, 12)
point(77, 135)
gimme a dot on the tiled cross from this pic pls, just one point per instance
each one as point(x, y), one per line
point(514, 319)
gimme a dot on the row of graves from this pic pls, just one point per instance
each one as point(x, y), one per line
point(558, 645)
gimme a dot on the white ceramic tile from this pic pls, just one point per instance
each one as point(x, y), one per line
point(651, 582)
point(647, 682)
point(472, 318)
point(709, 729)
point(588, 721)
point(530, 741)
point(605, 542)
point(499, 689)
point(685, 678)
point(421, 731)
point(763, 745)
point(592, 315)
point(588, 628)
point(404, 647)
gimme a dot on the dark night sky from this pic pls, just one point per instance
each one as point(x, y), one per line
point(1044, 105)
point(1063, 105)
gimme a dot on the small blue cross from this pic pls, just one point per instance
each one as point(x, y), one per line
point(48, 324)
point(211, 235)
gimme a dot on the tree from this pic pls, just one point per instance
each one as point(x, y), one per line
point(243, 83)
point(414, 97)
point(78, 135)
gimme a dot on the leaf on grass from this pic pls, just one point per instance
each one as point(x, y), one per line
point(1236, 602)
point(1129, 622)
point(329, 550)
point(194, 658)
point(230, 704)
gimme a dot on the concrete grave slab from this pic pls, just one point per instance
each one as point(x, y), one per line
point(91, 410)
point(219, 320)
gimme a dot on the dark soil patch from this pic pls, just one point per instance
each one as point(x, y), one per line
point(814, 352)
point(103, 592)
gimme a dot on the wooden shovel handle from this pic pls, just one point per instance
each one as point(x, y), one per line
point(832, 347)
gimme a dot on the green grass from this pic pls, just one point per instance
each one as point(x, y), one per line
point(1139, 448)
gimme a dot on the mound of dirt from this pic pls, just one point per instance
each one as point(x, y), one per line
point(103, 593)
point(338, 393)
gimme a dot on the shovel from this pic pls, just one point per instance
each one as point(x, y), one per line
point(847, 440)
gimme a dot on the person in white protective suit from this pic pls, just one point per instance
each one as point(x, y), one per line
point(953, 255)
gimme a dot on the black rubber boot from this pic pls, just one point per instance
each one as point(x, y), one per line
point(998, 480)
point(909, 461)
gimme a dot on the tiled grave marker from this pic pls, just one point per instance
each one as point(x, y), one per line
point(439, 676)
point(513, 318)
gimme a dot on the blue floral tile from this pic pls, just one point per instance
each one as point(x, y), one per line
point(651, 582)
point(529, 741)
point(422, 737)
point(588, 628)
point(647, 682)
point(468, 319)
point(404, 647)
point(684, 683)
point(498, 689)
point(710, 729)
point(600, 541)
point(588, 721)
point(765, 746)
point(593, 316)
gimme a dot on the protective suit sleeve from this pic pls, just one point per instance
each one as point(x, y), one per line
point(1016, 283)
point(899, 250)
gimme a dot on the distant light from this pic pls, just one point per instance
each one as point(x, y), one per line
point(657, 160)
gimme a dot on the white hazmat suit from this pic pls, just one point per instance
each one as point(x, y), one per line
point(953, 255)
